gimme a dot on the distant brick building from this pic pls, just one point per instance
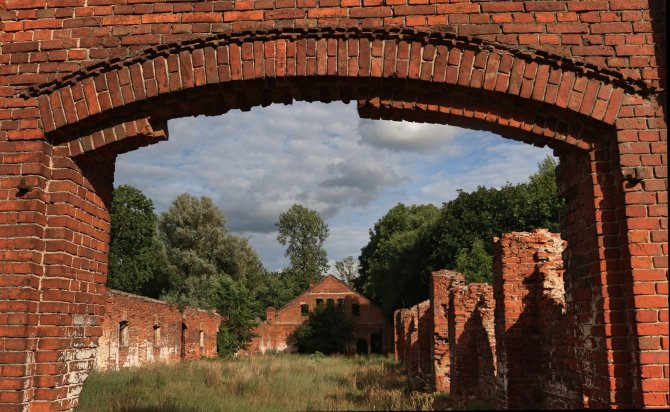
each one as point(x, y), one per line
point(372, 332)
point(137, 330)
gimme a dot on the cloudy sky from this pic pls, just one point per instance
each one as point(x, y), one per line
point(256, 164)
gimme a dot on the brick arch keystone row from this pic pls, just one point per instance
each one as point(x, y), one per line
point(440, 58)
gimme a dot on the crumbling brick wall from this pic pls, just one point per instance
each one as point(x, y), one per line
point(535, 365)
point(369, 323)
point(201, 328)
point(137, 330)
point(471, 338)
point(413, 329)
point(439, 302)
point(473, 348)
point(449, 340)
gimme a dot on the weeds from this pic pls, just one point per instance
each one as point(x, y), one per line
point(267, 383)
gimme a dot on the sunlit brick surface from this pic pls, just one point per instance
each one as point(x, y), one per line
point(82, 81)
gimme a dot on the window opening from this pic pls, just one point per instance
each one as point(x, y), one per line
point(356, 309)
point(123, 333)
point(304, 309)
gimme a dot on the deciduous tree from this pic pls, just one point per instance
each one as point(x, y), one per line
point(347, 269)
point(303, 231)
point(136, 256)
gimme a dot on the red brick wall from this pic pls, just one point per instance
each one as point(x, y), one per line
point(449, 339)
point(202, 327)
point(276, 333)
point(414, 341)
point(439, 304)
point(473, 360)
point(154, 332)
point(83, 81)
point(535, 345)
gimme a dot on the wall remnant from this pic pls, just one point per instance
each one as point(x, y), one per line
point(449, 340)
point(372, 332)
point(533, 336)
point(137, 330)
point(509, 343)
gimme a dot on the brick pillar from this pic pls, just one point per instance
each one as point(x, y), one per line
point(637, 300)
point(23, 219)
point(470, 324)
point(439, 301)
point(517, 333)
point(54, 242)
point(535, 363)
point(616, 260)
point(425, 341)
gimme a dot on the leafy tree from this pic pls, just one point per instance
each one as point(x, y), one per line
point(238, 307)
point(394, 265)
point(276, 289)
point(136, 256)
point(475, 263)
point(201, 251)
point(489, 212)
point(209, 268)
point(347, 269)
point(195, 236)
point(408, 243)
point(327, 331)
point(304, 231)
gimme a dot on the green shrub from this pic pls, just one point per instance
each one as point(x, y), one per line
point(327, 331)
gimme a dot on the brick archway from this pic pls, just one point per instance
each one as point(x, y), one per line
point(85, 85)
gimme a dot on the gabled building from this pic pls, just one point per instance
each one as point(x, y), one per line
point(372, 332)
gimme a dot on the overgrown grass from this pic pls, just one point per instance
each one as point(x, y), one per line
point(266, 383)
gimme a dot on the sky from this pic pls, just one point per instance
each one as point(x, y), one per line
point(256, 164)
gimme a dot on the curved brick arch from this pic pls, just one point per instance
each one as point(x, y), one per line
point(125, 89)
point(56, 182)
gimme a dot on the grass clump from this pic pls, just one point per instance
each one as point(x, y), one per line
point(266, 383)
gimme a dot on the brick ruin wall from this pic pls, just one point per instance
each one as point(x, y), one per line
point(533, 332)
point(137, 330)
point(509, 343)
point(276, 333)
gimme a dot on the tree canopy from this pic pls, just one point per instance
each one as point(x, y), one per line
point(327, 331)
point(399, 248)
point(303, 231)
point(136, 256)
point(410, 242)
point(209, 267)
point(347, 270)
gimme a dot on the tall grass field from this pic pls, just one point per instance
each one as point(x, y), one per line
point(265, 383)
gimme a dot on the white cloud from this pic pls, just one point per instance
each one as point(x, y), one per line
point(408, 136)
point(256, 164)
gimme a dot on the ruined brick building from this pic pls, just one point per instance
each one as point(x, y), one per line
point(372, 332)
point(507, 343)
point(82, 81)
point(137, 330)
